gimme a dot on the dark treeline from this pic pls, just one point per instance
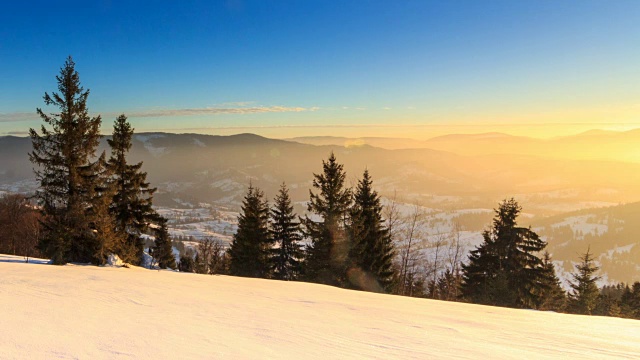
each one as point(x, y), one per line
point(90, 206)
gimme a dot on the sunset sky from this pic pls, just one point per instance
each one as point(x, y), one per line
point(346, 68)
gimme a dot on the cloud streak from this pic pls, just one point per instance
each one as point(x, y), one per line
point(239, 109)
point(381, 125)
point(216, 111)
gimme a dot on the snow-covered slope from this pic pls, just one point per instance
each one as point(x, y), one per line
point(87, 312)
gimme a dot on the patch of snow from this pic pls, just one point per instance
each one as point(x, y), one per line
point(199, 143)
point(583, 225)
point(114, 260)
point(618, 250)
point(145, 139)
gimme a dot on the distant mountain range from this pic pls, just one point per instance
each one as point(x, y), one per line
point(210, 168)
point(590, 145)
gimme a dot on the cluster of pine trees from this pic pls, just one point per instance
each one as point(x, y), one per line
point(348, 242)
point(92, 206)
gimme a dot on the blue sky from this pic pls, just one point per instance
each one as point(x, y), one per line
point(355, 68)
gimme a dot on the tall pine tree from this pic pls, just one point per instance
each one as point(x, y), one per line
point(132, 201)
point(249, 250)
point(285, 233)
point(584, 295)
point(327, 255)
point(63, 153)
point(372, 250)
point(505, 269)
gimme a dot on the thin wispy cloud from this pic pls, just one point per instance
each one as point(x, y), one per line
point(380, 125)
point(230, 108)
point(217, 111)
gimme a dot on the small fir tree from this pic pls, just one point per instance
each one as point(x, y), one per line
point(584, 295)
point(553, 297)
point(448, 285)
point(249, 250)
point(163, 251)
point(327, 255)
point(285, 234)
point(186, 263)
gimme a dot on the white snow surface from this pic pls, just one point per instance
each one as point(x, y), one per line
point(88, 312)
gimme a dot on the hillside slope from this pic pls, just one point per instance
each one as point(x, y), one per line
point(88, 312)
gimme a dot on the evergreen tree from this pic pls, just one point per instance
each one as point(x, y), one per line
point(63, 154)
point(372, 250)
point(162, 251)
point(132, 201)
point(327, 255)
point(286, 236)
point(553, 297)
point(584, 294)
point(249, 250)
point(505, 270)
point(186, 263)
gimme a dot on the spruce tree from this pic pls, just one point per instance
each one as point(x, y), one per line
point(505, 270)
point(285, 233)
point(584, 294)
point(327, 255)
point(553, 297)
point(372, 250)
point(249, 250)
point(132, 201)
point(63, 153)
point(162, 251)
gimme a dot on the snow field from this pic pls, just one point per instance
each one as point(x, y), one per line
point(89, 312)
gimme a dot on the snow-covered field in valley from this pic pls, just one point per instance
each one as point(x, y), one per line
point(88, 312)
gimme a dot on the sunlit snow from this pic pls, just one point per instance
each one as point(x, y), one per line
point(89, 312)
